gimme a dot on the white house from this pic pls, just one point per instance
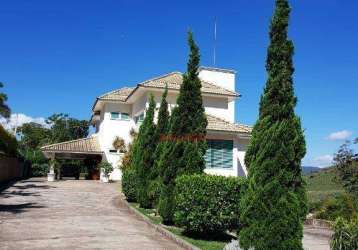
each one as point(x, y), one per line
point(117, 112)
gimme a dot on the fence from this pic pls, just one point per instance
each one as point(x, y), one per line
point(10, 168)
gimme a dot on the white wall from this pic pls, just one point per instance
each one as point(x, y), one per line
point(223, 78)
point(109, 129)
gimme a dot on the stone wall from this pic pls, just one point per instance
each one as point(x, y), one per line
point(10, 168)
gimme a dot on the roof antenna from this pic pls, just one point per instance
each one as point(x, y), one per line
point(214, 43)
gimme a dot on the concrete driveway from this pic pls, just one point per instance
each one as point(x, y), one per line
point(36, 214)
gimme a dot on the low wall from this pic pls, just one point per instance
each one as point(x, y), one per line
point(10, 168)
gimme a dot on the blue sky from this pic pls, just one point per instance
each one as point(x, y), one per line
point(57, 56)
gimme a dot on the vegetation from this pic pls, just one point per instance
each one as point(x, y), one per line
point(106, 167)
point(212, 242)
point(8, 143)
point(33, 136)
point(332, 192)
point(186, 145)
point(4, 108)
point(274, 203)
point(322, 185)
point(207, 204)
point(119, 144)
point(340, 205)
point(128, 155)
point(346, 163)
point(143, 157)
point(345, 235)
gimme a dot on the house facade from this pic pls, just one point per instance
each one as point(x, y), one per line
point(116, 113)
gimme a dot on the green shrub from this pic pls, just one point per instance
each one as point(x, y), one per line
point(129, 184)
point(207, 204)
point(154, 190)
point(345, 235)
point(340, 205)
point(106, 167)
point(39, 169)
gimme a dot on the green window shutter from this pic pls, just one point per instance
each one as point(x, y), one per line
point(219, 154)
point(125, 116)
point(114, 115)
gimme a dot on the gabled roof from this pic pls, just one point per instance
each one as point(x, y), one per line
point(85, 145)
point(117, 95)
point(219, 124)
point(173, 80)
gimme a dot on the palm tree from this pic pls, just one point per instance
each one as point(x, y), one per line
point(4, 108)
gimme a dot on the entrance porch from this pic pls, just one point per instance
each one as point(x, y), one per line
point(86, 149)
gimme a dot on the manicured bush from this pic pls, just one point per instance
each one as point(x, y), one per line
point(345, 235)
point(129, 182)
point(207, 204)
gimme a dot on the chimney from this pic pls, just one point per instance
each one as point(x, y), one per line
point(222, 77)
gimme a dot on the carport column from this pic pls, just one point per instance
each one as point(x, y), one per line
point(51, 174)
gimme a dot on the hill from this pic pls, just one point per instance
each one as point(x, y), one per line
point(322, 184)
point(309, 169)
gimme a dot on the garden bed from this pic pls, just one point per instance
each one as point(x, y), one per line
point(212, 242)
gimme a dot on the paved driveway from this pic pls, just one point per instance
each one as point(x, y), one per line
point(35, 214)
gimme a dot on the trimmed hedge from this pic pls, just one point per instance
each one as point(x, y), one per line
point(207, 204)
point(129, 184)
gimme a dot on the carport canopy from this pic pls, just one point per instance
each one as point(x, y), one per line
point(76, 149)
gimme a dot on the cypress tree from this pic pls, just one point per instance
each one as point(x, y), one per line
point(186, 146)
point(144, 154)
point(274, 205)
point(161, 132)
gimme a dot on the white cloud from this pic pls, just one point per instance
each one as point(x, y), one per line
point(20, 119)
point(323, 161)
point(339, 135)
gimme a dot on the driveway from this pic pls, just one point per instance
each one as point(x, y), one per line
point(36, 214)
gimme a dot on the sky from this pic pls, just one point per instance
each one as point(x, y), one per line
point(57, 56)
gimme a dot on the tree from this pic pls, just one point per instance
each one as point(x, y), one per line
point(274, 203)
point(33, 135)
point(4, 108)
point(186, 145)
point(161, 132)
point(65, 128)
point(144, 154)
point(346, 163)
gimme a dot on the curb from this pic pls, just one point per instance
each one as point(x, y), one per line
point(169, 235)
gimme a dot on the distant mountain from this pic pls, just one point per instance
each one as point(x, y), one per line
point(309, 169)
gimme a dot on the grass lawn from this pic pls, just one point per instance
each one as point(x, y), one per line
point(213, 243)
point(322, 184)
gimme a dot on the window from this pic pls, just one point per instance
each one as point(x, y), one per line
point(219, 154)
point(139, 118)
point(119, 116)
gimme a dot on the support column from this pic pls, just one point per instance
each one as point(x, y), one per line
point(51, 173)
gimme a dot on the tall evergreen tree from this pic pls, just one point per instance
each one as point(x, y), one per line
point(274, 203)
point(143, 157)
point(161, 132)
point(185, 149)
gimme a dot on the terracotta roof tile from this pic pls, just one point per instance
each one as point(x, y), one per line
point(219, 124)
point(85, 145)
point(175, 79)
